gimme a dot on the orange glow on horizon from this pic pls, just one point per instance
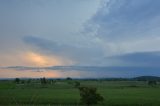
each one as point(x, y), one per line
point(10, 73)
point(34, 59)
point(41, 60)
point(50, 74)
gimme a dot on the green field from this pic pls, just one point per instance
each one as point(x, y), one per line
point(63, 93)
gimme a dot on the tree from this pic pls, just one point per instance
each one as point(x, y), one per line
point(43, 80)
point(89, 96)
point(17, 80)
point(68, 78)
point(152, 83)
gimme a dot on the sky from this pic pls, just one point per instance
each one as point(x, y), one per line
point(120, 35)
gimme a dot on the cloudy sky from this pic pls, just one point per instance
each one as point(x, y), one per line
point(101, 33)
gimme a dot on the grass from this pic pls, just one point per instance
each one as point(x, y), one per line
point(63, 93)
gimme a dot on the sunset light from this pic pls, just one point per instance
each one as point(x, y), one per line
point(42, 60)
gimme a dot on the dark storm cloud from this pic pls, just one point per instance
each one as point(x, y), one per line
point(144, 59)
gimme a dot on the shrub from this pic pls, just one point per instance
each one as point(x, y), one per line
point(89, 96)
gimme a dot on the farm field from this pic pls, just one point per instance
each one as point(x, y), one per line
point(63, 93)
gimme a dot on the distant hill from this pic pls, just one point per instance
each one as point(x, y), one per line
point(147, 78)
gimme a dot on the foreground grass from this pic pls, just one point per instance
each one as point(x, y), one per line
point(116, 93)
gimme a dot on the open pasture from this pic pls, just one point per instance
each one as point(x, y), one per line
point(63, 93)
